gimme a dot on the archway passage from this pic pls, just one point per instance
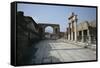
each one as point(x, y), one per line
point(50, 31)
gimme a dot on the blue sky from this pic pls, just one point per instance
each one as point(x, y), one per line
point(56, 14)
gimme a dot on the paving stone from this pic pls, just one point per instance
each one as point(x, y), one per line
point(51, 51)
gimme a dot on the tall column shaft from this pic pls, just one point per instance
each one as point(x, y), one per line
point(71, 31)
point(89, 36)
point(75, 30)
point(82, 37)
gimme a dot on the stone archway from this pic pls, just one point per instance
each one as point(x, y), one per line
point(48, 32)
point(49, 29)
point(56, 30)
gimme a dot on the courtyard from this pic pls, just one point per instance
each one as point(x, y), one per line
point(53, 51)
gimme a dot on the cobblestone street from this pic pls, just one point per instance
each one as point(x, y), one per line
point(52, 51)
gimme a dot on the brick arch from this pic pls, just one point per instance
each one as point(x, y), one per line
point(50, 27)
point(56, 28)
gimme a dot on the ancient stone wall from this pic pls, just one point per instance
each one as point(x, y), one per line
point(56, 30)
point(26, 36)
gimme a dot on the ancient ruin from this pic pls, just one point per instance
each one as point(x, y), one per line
point(87, 32)
point(35, 46)
point(82, 32)
point(72, 29)
point(56, 30)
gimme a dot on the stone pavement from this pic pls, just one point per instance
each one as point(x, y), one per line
point(81, 44)
point(52, 51)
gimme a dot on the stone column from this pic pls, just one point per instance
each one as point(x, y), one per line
point(82, 37)
point(73, 18)
point(54, 30)
point(89, 36)
point(75, 29)
point(71, 31)
point(67, 33)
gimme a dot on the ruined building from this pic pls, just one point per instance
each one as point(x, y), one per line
point(28, 33)
point(54, 35)
point(87, 32)
point(82, 32)
point(72, 29)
